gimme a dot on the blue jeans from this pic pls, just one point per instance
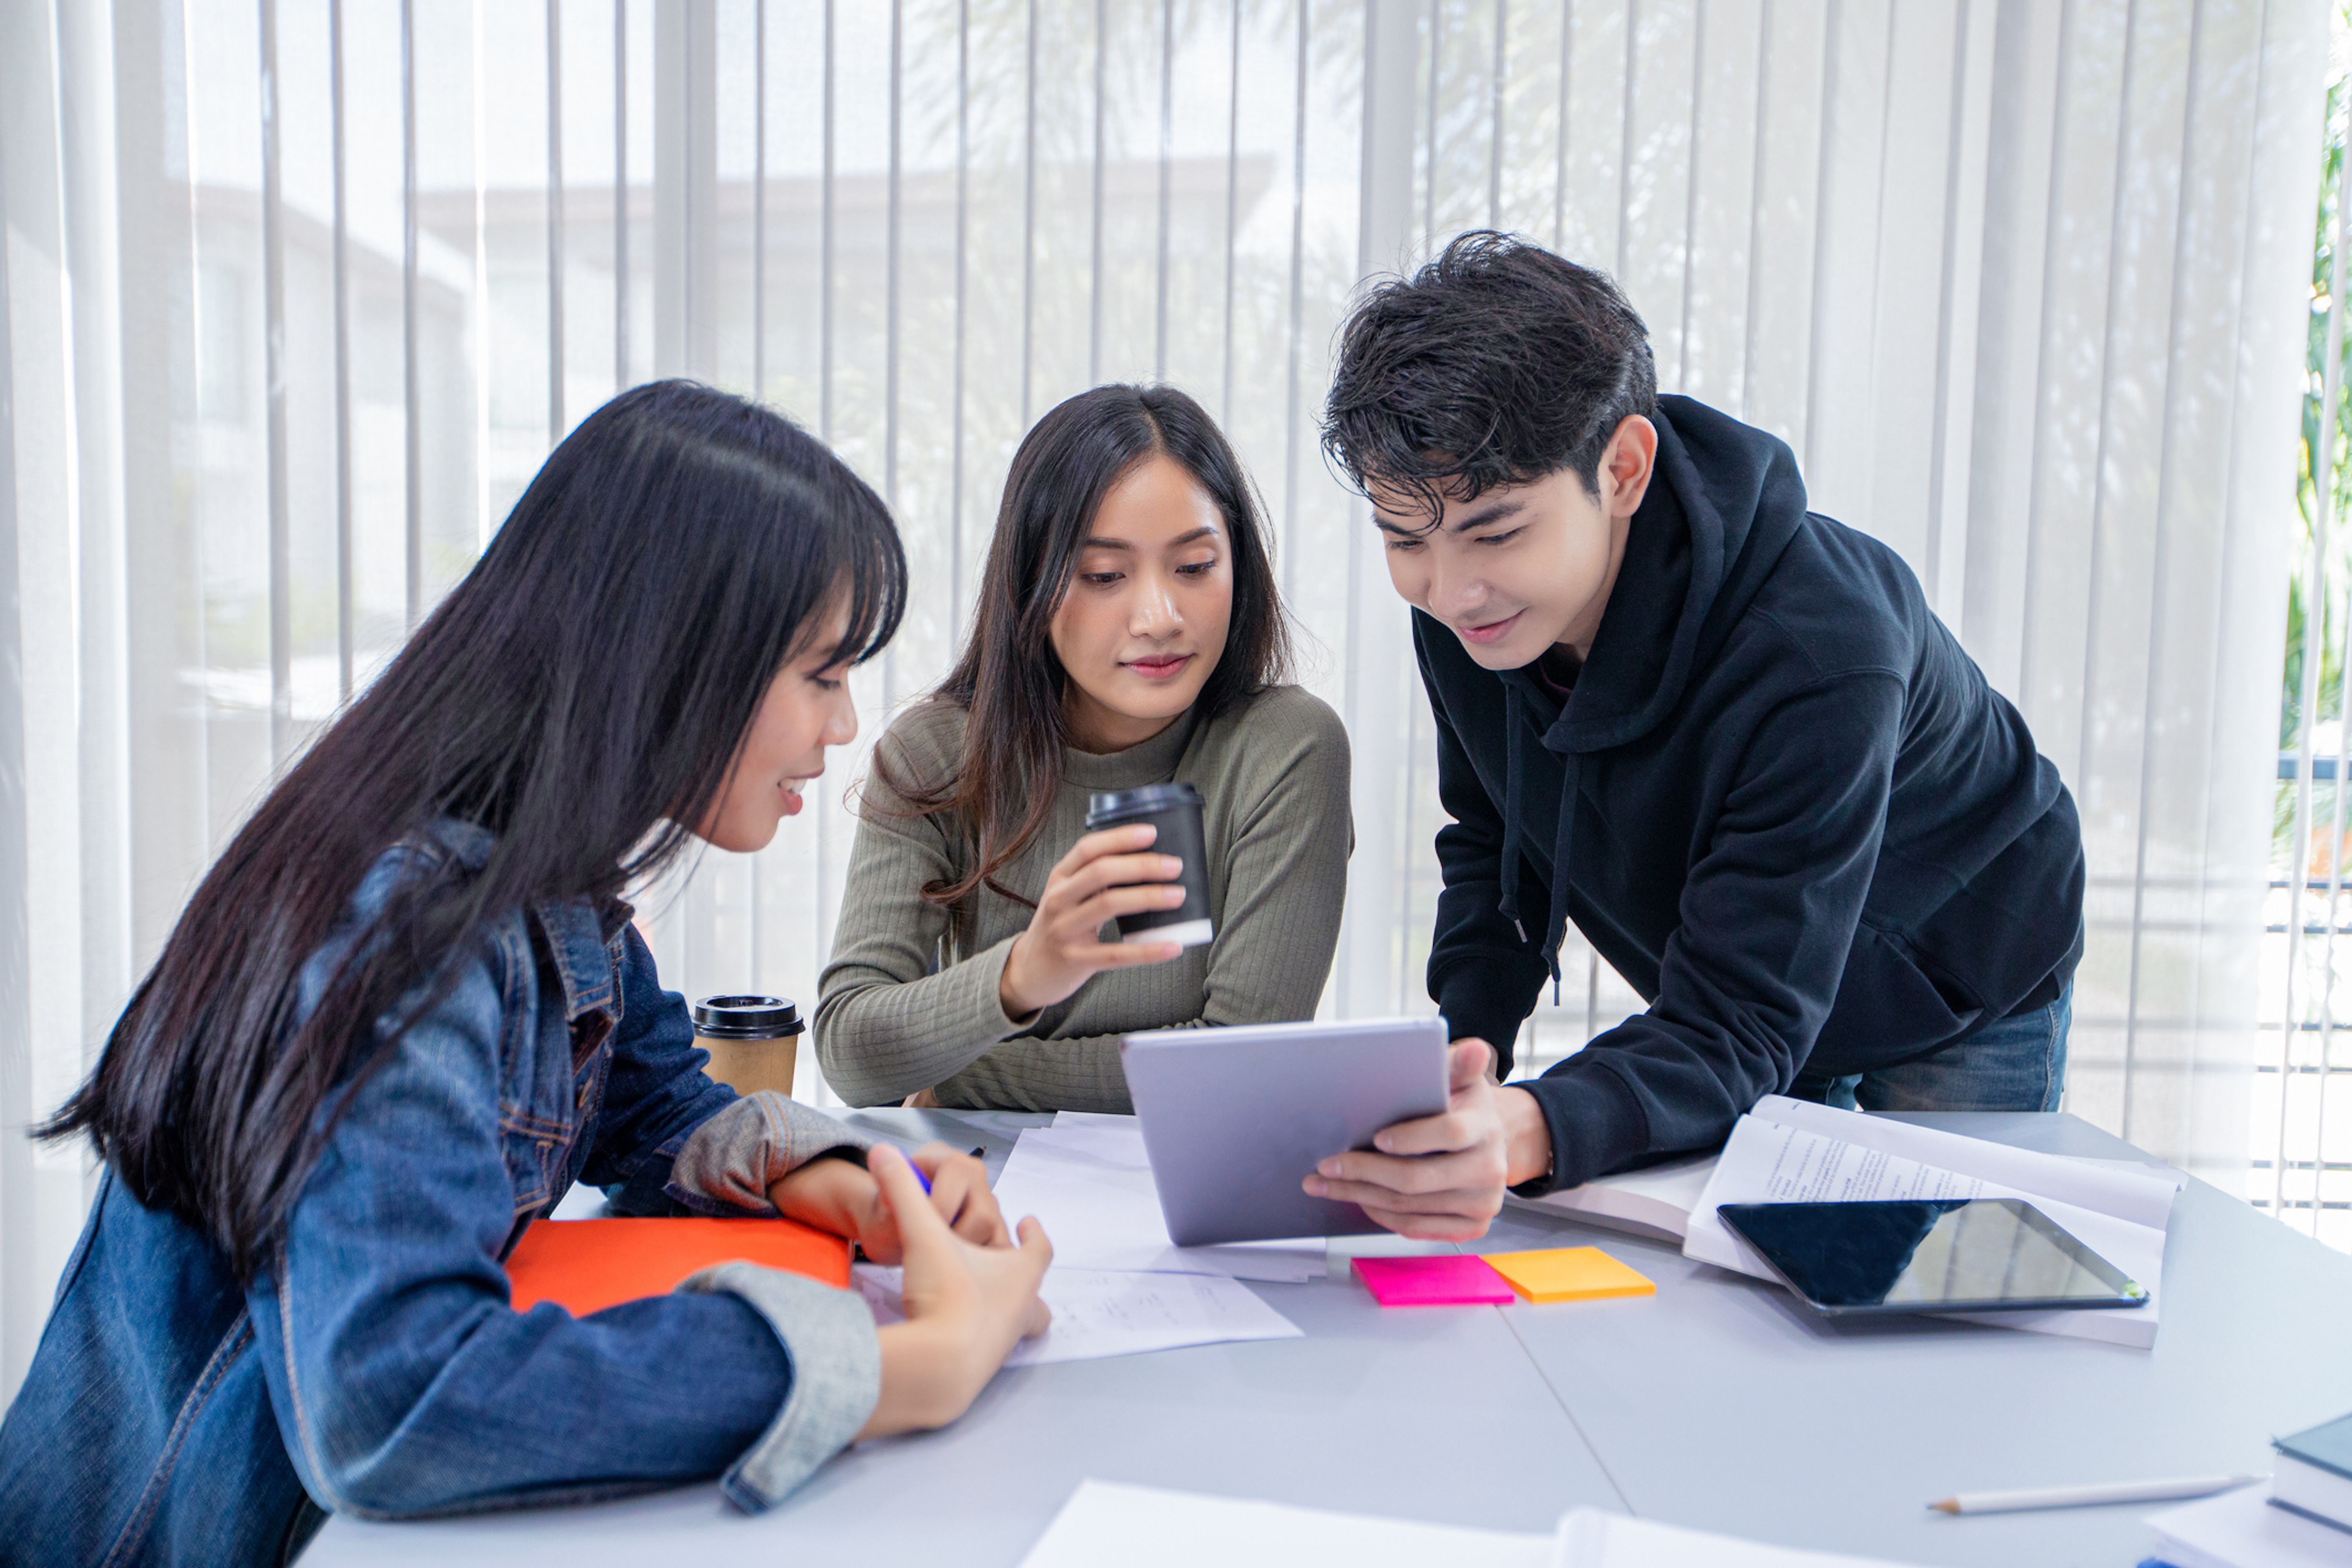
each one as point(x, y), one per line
point(2017, 1063)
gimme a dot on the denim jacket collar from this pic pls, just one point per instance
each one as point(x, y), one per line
point(578, 932)
point(575, 938)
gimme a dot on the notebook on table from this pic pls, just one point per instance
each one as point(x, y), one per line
point(588, 1265)
point(2314, 1474)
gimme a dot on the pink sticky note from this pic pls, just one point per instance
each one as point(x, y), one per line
point(1446, 1281)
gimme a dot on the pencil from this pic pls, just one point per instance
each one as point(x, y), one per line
point(2084, 1497)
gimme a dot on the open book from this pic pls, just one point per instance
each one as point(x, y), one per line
point(1786, 1151)
point(1655, 1201)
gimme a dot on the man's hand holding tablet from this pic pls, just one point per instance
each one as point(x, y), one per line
point(1441, 1178)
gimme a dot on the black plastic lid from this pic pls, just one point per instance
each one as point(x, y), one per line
point(746, 1017)
point(1118, 805)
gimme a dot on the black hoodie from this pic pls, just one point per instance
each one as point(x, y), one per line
point(1801, 824)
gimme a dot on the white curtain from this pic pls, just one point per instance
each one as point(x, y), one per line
point(296, 295)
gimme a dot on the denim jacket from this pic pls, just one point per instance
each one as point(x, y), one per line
point(375, 1367)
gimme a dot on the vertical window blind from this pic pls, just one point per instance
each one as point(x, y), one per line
point(299, 295)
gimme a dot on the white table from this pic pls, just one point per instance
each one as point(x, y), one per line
point(1718, 1403)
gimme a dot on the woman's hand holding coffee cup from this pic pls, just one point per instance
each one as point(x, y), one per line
point(1104, 876)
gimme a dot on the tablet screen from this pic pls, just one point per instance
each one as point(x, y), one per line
point(1929, 1256)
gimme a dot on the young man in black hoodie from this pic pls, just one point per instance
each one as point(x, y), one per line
point(1726, 737)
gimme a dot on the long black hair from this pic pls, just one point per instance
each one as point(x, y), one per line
point(581, 694)
point(1010, 681)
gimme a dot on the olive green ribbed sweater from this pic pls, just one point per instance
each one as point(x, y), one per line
point(907, 1003)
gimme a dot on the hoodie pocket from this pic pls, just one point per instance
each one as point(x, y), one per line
point(1888, 1010)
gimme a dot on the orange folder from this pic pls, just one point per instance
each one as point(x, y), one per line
point(587, 1265)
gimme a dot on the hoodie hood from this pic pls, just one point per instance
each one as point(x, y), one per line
point(1724, 501)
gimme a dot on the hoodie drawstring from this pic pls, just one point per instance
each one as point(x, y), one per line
point(1555, 931)
point(1509, 902)
point(1556, 927)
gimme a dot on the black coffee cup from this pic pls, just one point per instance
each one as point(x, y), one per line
point(1175, 810)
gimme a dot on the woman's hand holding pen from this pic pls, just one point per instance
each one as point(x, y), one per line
point(966, 1307)
point(847, 1200)
point(1104, 876)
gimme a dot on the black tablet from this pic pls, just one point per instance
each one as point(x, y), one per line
point(1981, 1255)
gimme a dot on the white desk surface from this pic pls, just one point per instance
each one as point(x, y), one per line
point(1718, 1403)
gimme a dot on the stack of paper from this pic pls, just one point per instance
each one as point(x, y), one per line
point(1786, 1151)
point(1118, 1286)
point(1145, 1527)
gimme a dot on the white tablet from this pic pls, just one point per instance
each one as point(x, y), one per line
point(1235, 1119)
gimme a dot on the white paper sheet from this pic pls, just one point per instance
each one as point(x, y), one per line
point(1147, 1527)
point(2129, 1189)
point(2242, 1529)
point(1591, 1539)
point(1788, 1151)
point(1090, 1185)
point(1098, 1313)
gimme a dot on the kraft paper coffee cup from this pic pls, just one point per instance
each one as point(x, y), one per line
point(754, 1041)
point(1175, 810)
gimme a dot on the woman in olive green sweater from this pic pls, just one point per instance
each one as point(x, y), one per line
point(1129, 633)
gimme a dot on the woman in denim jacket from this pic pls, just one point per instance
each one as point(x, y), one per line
point(406, 1010)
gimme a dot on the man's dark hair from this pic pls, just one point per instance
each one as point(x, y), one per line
point(1494, 365)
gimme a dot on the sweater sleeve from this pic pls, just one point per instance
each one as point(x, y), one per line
point(1751, 971)
point(1286, 880)
point(885, 1025)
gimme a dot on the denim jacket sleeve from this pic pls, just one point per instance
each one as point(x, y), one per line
point(669, 1139)
point(656, 1092)
point(404, 1382)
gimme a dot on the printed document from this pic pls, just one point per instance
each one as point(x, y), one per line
point(1099, 1313)
point(1786, 1151)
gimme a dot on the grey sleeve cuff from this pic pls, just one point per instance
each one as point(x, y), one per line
point(726, 1164)
point(837, 1377)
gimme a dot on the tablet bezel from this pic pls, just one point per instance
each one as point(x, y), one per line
point(1234, 1118)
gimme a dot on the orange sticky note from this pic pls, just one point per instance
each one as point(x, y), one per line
point(1568, 1274)
point(587, 1265)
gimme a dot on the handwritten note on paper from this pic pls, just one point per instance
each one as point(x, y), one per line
point(1099, 1314)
